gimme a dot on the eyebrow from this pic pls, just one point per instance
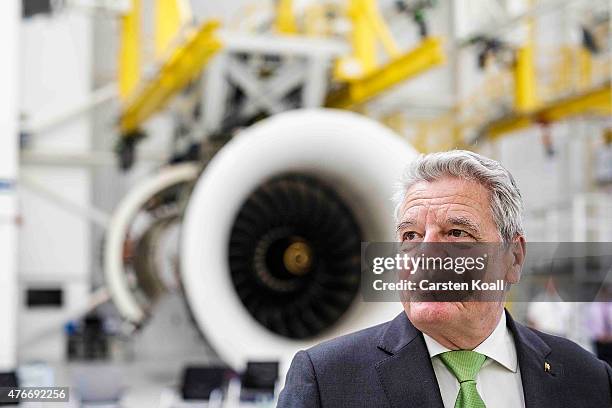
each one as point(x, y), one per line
point(463, 222)
point(404, 224)
point(456, 220)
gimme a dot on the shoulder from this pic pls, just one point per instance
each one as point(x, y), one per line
point(573, 357)
point(337, 372)
point(353, 347)
point(578, 375)
point(565, 346)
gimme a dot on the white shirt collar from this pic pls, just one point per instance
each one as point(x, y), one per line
point(499, 346)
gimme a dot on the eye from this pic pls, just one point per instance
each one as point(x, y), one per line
point(457, 233)
point(409, 236)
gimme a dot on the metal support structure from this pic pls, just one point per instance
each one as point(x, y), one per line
point(264, 94)
point(285, 19)
point(314, 94)
point(98, 97)
point(90, 159)
point(525, 98)
point(594, 102)
point(170, 17)
point(267, 71)
point(96, 298)
point(215, 91)
point(109, 6)
point(367, 29)
point(498, 28)
point(363, 42)
point(532, 103)
point(420, 59)
point(525, 82)
point(93, 214)
point(183, 66)
point(129, 50)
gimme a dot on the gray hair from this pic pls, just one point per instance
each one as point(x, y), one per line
point(506, 203)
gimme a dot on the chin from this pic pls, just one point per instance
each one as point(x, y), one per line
point(423, 314)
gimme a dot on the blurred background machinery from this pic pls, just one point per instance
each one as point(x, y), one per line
point(189, 182)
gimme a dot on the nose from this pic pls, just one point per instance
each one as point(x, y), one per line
point(431, 245)
point(433, 235)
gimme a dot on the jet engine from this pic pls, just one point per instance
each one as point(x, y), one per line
point(270, 235)
point(271, 238)
point(141, 245)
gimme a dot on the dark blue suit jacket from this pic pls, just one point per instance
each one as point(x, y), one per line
point(388, 366)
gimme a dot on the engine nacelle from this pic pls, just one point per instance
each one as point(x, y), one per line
point(271, 237)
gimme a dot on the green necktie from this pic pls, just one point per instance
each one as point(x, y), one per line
point(465, 364)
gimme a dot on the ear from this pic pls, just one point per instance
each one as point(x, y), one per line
point(517, 253)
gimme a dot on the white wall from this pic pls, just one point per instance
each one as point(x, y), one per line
point(54, 243)
point(9, 31)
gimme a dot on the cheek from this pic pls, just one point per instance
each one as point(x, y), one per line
point(499, 267)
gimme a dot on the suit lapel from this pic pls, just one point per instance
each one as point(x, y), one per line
point(407, 375)
point(540, 376)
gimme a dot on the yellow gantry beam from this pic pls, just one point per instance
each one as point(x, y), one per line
point(416, 61)
point(597, 101)
point(525, 97)
point(285, 19)
point(369, 10)
point(129, 50)
point(182, 66)
point(525, 81)
point(368, 28)
point(363, 40)
point(170, 17)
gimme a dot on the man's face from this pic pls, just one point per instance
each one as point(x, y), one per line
point(447, 210)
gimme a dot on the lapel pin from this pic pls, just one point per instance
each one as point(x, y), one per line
point(546, 367)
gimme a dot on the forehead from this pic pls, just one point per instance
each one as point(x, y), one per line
point(448, 194)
